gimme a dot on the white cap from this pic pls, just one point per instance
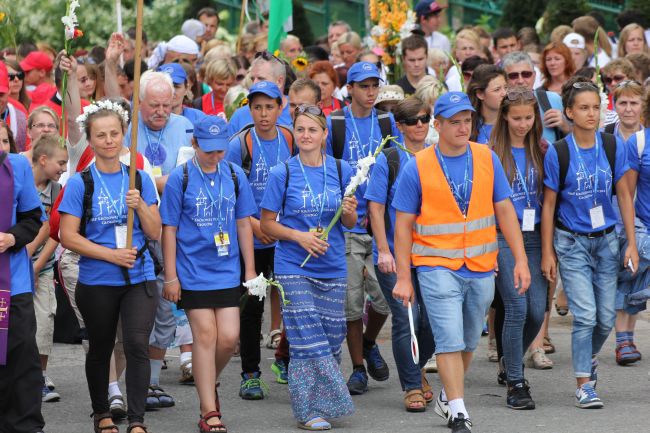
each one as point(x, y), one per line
point(193, 29)
point(574, 40)
point(183, 44)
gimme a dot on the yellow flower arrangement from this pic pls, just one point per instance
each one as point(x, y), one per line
point(300, 63)
point(392, 21)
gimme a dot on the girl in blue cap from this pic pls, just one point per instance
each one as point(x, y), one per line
point(306, 192)
point(206, 228)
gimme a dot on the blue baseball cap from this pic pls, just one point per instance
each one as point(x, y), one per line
point(174, 70)
point(211, 133)
point(362, 71)
point(267, 88)
point(452, 103)
point(426, 7)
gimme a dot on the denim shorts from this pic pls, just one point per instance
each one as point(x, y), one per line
point(456, 307)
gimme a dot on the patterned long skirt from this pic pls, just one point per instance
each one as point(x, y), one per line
point(315, 325)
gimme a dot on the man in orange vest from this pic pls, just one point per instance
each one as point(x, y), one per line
point(446, 228)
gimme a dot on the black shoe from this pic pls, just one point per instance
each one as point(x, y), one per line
point(502, 377)
point(461, 424)
point(519, 397)
point(377, 367)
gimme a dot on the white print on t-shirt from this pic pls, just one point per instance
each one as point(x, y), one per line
point(311, 207)
point(207, 213)
point(518, 192)
point(108, 210)
point(357, 149)
point(261, 173)
point(586, 182)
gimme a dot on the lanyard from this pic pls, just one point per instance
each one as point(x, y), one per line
point(583, 167)
point(372, 132)
point(459, 194)
point(208, 189)
point(311, 191)
point(265, 159)
point(523, 182)
point(120, 212)
point(155, 148)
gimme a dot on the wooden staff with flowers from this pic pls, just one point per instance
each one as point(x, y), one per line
point(70, 24)
point(134, 117)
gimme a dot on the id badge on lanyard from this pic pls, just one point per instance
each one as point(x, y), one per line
point(597, 216)
point(528, 220)
point(120, 236)
point(222, 241)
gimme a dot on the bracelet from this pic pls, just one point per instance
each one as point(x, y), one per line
point(170, 281)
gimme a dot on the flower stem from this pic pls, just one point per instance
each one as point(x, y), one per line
point(460, 71)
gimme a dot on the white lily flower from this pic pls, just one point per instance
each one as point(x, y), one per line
point(604, 103)
point(257, 286)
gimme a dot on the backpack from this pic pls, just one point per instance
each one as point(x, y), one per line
point(286, 181)
point(246, 145)
point(392, 156)
point(562, 149)
point(609, 129)
point(545, 105)
point(338, 130)
point(233, 175)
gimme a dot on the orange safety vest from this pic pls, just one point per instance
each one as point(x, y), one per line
point(442, 236)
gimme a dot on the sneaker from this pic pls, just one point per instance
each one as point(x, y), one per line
point(279, 368)
point(594, 372)
point(49, 383)
point(460, 424)
point(377, 367)
point(519, 397)
point(442, 409)
point(358, 382)
point(117, 407)
point(49, 396)
point(252, 387)
point(431, 366)
point(586, 397)
point(187, 378)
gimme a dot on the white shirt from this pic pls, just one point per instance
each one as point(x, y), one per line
point(438, 40)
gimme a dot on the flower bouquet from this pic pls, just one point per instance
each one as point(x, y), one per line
point(71, 32)
point(257, 287)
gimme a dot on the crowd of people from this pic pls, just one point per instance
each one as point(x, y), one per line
point(510, 180)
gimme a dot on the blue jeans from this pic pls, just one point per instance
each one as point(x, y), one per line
point(456, 307)
point(409, 373)
point(588, 267)
point(524, 314)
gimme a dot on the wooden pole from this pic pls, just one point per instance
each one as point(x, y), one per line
point(244, 6)
point(134, 117)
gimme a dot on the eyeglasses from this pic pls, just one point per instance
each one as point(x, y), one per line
point(412, 121)
point(309, 109)
point(617, 78)
point(44, 125)
point(266, 56)
point(19, 75)
point(523, 74)
point(585, 85)
point(514, 94)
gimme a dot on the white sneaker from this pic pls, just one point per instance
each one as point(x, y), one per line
point(431, 366)
point(586, 397)
point(49, 383)
point(49, 396)
point(442, 409)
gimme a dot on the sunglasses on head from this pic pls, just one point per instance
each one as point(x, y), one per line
point(19, 75)
point(266, 56)
point(412, 121)
point(309, 109)
point(627, 83)
point(585, 85)
point(515, 94)
point(611, 79)
point(522, 74)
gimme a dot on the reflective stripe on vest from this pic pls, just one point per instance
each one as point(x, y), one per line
point(455, 228)
point(469, 252)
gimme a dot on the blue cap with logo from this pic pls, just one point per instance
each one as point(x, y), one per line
point(175, 70)
point(452, 103)
point(362, 71)
point(211, 133)
point(267, 88)
point(426, 7)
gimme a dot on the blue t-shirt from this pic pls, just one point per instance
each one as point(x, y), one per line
point(556, 103)
point(108, 211)
point(200, 214)
point(577, 198)
point(161, 147)
point(242, 117)
point(301, 212)
point(193, 115)
point(408, 197)
point(266, 155)
point(25, 199)
point(377, 191)
point(484, 132)
point(642, 166)
point(519, 198)
point(362, 137)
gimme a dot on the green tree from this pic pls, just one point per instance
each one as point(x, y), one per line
point(301, 27)
point(516, 15)
point(560, 12)
point(643, 6)
point(195, 6)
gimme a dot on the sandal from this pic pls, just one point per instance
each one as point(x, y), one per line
point(427, 391)
point(135, 425)
point(204, 427)
point(164, 399)
point(549, 347)
point(538, 360)
point(273, 339)
point(117, 407)
point(99, 417)
point(562, 310)
point(315, 424)
point(414, 401)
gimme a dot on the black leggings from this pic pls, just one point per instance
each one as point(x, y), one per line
point(100, 307)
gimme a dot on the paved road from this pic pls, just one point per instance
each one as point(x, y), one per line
point(623, 389)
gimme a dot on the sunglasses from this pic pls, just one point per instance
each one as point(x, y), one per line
point(412, 121)
point(308, 109)
point(516, 94)
point(628, 83)
point(19, 75)
point(522, 74)
point(266, 56)
point(611, 79)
